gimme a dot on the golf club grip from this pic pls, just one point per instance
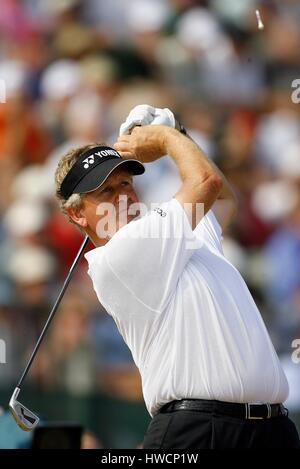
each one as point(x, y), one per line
point(53, 311)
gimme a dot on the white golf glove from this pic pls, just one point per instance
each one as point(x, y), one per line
point(147, 115)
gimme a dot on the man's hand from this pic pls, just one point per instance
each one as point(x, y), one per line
point(147, 143)
point(144, 114)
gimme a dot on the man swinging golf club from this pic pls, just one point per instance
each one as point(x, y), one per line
point(210, 375)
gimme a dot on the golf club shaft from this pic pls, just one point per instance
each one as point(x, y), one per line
point(53, 311)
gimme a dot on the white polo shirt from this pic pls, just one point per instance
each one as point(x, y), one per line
point(185, 312)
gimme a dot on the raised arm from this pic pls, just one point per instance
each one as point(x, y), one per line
point(201, 180)
point(225, 206)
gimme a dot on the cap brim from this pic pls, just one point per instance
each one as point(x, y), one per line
point(101, 172)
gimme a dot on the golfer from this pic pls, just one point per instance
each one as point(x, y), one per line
point(210, 375)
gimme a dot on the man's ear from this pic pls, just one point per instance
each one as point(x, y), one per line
point(76, 214)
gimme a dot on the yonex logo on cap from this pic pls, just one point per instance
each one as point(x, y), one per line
point(108, 152)
point(87, 162)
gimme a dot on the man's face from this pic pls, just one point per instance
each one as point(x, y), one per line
point(105, 210)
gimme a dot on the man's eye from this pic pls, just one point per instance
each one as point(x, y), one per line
point(125, 183)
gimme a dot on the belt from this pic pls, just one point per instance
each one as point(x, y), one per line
point(242, 411)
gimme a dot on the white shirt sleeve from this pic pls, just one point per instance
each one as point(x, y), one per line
point(209, 230)
point(144, 260)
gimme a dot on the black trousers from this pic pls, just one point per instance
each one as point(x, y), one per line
point(186, 429)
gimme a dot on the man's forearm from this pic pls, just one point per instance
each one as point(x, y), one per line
point(191, 161)
point(227, 191)
point(201, 183)
point(225, 206)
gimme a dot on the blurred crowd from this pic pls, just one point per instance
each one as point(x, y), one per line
point(72, 71)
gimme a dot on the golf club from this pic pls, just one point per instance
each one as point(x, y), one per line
point(26, 419)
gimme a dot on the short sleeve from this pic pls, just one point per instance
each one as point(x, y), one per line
point(146, 258)
point(209, 231)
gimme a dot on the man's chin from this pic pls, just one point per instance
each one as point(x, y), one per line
point(123, 221)
point(126, 220)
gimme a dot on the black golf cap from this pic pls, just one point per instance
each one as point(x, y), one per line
point(92, 169)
